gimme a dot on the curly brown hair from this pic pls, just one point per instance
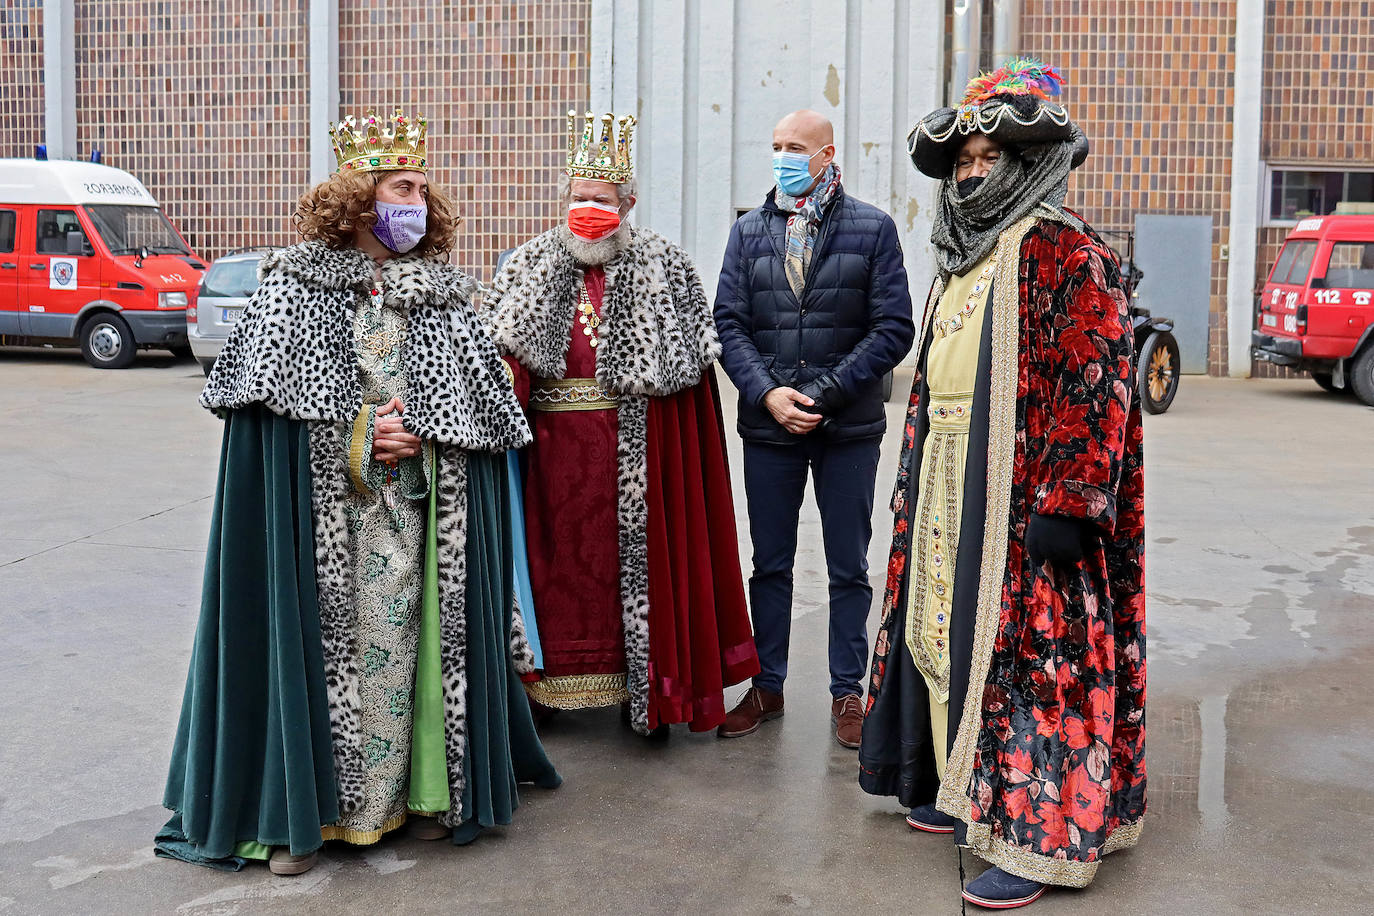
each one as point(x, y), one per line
point(336, 209)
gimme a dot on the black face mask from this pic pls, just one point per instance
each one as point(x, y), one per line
point(970, 184)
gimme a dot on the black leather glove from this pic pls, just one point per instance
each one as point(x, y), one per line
point(824, 393)
point(1056, 539)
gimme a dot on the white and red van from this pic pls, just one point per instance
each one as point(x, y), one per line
point(87, 257)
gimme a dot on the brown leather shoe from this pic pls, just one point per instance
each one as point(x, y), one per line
point(847, 715)
point(755, 708)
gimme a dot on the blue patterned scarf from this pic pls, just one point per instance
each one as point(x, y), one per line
point(803, 222)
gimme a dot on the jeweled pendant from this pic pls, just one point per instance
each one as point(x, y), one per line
point(956, 323)
point(592, 343)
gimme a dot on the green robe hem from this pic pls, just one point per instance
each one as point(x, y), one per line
point(253, 755)
point(428, 764)
point(503, 748)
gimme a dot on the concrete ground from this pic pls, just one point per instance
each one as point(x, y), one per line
point(1261, 620)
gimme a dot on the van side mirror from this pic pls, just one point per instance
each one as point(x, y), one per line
point(76, 243)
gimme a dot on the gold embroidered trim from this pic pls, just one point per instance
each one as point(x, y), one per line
point(956, 789)
point(1123, 837)
point(357, 448)
point(554, 395)
point(937, 292)
point(949, 413)
point(1026, 863)
point(361, 837)
point(935, 669)
point(580, 691)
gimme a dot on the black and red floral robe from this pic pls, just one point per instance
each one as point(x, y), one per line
point(1047, 706)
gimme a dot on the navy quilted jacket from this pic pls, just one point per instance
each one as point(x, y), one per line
point(851, 326)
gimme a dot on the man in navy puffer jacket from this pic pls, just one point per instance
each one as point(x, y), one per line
point(813, 311)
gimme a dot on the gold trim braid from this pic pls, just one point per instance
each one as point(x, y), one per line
point(357, 448)
point(580, 691)
point(956, 789)
point(556, 395)
point(1026, 863)
point(362, 837)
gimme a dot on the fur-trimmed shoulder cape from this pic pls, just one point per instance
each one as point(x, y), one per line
point(657, 335)
point(293, 349)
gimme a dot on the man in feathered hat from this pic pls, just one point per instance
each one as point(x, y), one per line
point(1006, 701)
point(358, 656)
point(630, 523)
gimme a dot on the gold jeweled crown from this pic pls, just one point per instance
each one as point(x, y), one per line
point(380, 146)
point(600, 154)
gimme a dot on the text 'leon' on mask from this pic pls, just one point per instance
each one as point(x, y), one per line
point(400, 227)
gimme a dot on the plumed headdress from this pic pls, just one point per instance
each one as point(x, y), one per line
point(1016, 105)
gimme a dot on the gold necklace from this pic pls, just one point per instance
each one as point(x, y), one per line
point(946, 326)
point(589, 319)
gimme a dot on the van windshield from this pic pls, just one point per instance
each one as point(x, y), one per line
point(128, 229)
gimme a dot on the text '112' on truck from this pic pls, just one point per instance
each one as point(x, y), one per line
point(1316, 312)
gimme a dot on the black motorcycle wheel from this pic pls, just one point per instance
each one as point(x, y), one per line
point(1158, 372)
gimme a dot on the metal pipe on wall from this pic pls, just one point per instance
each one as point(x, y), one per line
point(1006, 30)
point(965, 47)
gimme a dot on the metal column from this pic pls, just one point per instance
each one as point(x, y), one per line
point(324, 84)
point(59, 78)
point(1245, 185)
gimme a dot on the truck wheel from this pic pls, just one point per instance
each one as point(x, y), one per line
point(1361, 377)
point(107, 342)
point(1157, 375)
point(1324, 382)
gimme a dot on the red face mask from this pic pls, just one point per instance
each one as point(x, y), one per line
point(592, 221)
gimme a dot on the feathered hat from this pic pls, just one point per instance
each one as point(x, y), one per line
point(1014, 105)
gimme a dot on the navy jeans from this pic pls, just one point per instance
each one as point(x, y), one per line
point(774, 483)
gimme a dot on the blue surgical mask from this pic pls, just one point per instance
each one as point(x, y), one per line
point(400, 227)
point(792, 171)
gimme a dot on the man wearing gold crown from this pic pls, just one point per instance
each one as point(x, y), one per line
point(357, 652)
point(631, 532)
point(1006, 703)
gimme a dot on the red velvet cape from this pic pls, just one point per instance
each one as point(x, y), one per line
point(699, 635)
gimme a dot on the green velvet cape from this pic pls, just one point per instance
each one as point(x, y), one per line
point(252, 761)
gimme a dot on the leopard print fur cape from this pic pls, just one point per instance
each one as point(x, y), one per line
point(657, 335)
point(293, 348)
point(657, 338)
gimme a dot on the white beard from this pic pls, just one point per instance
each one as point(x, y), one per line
point(595, 254)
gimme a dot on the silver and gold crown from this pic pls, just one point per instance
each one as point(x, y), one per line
point(380, 146)
point(600, 154)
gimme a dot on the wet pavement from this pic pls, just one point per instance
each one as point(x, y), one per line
point(1261, 737)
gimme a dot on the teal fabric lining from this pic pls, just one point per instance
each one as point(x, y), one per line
point(253, 755)
point(503, 748)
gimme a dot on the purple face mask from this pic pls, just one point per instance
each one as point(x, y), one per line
point(400, 226)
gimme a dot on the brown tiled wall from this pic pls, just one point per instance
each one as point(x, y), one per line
point(1149, 81)
point(207, 103)
point(1318, 96)
point(1319, 81)
point(496, 81)
point(21, 77)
